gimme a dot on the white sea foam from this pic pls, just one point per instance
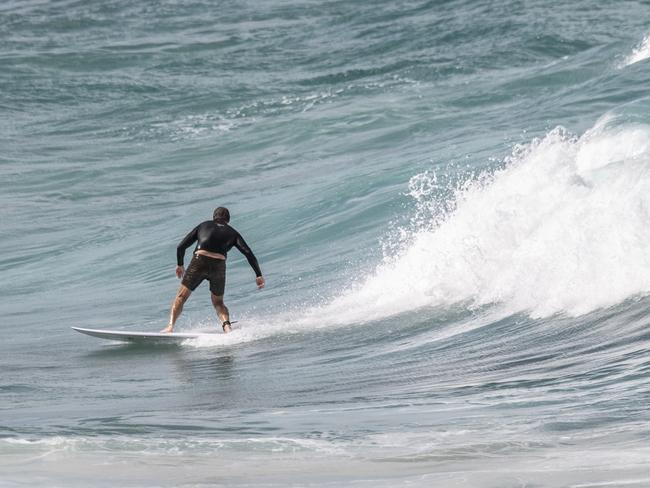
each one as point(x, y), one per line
point(562, 228)
point(441, 458)
point(640, 52)
point(166, 446)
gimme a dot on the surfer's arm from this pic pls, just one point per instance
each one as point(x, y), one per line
point(241, 245)
point(187, 241)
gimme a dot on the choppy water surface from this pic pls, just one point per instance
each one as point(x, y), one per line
point(450, 203)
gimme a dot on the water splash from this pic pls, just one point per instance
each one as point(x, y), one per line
point(561, 228)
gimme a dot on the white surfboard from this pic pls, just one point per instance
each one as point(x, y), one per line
point(144, 337)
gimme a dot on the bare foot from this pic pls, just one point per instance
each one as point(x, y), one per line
point(167, 330)
point(226, 327)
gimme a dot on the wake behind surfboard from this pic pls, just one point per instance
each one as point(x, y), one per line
point(144, 337)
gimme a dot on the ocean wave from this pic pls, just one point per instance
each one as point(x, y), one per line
point(561, 228)
point(154, 446)
point(640, 52)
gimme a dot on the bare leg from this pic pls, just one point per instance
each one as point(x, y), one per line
point(222, 310)
point(177, 307)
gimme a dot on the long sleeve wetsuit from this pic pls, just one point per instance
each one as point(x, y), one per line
point(218, 238)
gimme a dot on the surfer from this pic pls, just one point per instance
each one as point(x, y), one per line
point(215, 238)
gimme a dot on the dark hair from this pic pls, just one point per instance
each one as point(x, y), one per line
point(221, 213)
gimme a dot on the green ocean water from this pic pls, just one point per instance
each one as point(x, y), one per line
point(449, 201)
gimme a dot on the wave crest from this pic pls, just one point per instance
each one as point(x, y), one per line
point(561, 228)
point(641, 52)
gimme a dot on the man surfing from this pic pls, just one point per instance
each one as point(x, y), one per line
point(215, 238)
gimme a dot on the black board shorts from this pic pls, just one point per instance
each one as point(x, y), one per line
point(205, 268)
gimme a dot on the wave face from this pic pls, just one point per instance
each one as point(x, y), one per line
point(449, 201)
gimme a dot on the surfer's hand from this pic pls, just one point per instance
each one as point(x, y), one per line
point(260, 282)
point(180, 271)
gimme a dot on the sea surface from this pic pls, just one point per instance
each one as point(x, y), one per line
point(450, 202)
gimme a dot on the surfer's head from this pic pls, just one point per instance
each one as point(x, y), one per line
point(221, 215)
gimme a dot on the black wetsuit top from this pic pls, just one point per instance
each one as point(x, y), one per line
point(216, 237)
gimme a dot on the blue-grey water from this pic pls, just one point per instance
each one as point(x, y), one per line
point(450, 201)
